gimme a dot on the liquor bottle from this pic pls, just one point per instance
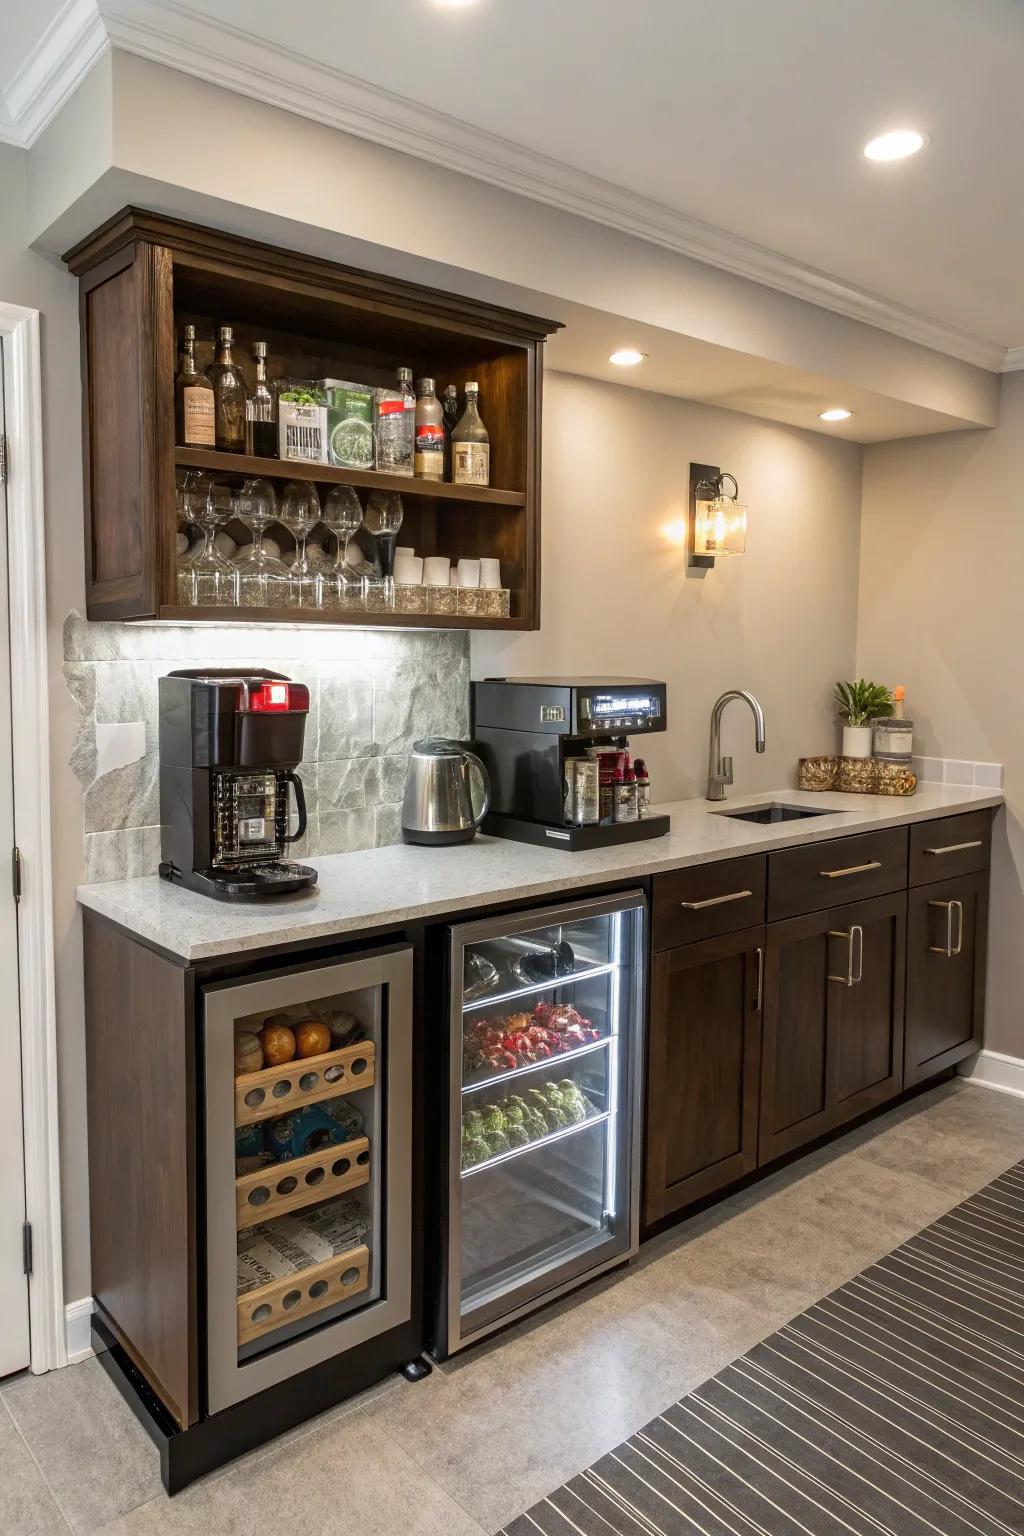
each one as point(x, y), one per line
point(643, 789)
point(429, 462)
point(261, 410)
point(229, 395)
point(193, 399)
point(471, 447)
point(450, 411)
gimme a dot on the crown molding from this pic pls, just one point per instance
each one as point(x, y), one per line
point(177, 36)
point(1013, 362)
point(59, 62)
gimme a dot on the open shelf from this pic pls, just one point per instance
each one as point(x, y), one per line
point(552, 984)
point(541, 1141)
point(563, 1060)
point(325, 474)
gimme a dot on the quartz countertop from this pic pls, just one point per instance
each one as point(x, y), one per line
point(384, 887)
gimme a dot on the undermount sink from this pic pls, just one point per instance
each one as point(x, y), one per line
point(768, 815)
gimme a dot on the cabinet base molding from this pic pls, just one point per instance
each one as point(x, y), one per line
point(992, 1069)
point(78, 1330)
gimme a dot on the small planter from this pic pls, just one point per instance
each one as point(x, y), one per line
point(856, 741)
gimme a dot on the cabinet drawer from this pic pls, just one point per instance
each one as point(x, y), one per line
point(821, 875)
point(698, 903)
point(950, 846)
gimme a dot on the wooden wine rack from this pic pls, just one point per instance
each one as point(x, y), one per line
point(297, 1296)
point(276, 1090)
point(299, 1181)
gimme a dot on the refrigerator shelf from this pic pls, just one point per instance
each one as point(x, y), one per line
point(305, 1080)
point(495, 999)
point(299, 1181)
point(564, 1059)
point(542, 1141)
point(283, 1301)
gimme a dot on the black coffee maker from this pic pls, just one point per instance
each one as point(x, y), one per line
point(230, 742)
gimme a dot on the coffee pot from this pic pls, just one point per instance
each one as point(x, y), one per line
point(438, 804)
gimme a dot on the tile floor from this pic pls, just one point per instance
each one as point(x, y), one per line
point(484, 1437)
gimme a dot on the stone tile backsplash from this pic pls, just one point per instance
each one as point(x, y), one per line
point(372, 694)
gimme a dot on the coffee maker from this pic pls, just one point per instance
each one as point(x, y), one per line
point(532, 732)
point(230, 742)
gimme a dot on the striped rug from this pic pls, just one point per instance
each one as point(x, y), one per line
point(895, 1405)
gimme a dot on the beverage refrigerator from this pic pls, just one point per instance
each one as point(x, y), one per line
point(541, 1187)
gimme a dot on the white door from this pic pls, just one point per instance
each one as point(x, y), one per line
point(14, 1340)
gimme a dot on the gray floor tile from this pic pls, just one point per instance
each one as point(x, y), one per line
point(27, 1508)
point(348, 1476)
point(95, 1455)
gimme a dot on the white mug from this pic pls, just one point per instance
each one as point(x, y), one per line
point(468, 574)
point(490, 573)
point(404, 549)
point(408, 570)
point(436, 571)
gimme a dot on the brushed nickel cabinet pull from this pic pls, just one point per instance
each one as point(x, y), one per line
point(956, 847)
point(759, 1000)
point(952, 947)
point(854, 869)
point(854, 936)
point(715, 901)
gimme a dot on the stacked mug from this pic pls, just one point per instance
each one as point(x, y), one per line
point(431, 584)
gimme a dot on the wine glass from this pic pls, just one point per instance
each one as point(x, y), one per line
point(262, 577)
point(340, 587)
point(209, 580)
point(383, 518)
point(300, 513)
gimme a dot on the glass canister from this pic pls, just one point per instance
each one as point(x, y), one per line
point(892, 738)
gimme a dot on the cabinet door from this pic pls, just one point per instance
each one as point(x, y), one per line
point(703, 1069)
point(866, 1020)
point(947, 925)
point(796, 1066)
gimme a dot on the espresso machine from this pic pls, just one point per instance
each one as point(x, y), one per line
point(230, 742)
point(544, 740)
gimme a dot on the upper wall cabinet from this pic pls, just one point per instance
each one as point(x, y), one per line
point(143, 278)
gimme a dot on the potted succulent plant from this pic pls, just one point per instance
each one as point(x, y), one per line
point(857, 704)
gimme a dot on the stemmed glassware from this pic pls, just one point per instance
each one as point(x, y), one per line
point(383, 518)
point(340, 586)
point(263, 580)
point(300, 513)
point(210, 580)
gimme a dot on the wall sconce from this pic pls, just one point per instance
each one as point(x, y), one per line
point(718, 521)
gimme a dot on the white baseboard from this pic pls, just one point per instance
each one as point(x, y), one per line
point(77, 1330)
point(991, 1069)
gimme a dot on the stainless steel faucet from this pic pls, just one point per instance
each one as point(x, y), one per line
point(719, 767)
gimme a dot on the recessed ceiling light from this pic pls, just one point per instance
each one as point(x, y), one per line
point(627, 357)
point(454, 5)
point(837, 413)
point(897, 144)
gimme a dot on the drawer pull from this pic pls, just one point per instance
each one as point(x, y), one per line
point(854, 869)
point(854, 936)
point(715, 901)
point(956, 847)
point(952, 947)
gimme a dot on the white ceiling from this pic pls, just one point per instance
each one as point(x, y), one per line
point(746, 115)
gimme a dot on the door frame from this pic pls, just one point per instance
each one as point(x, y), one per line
point(30, 722)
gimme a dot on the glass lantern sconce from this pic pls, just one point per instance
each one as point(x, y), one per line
point(717, 517)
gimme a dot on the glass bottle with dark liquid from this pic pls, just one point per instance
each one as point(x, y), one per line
point(229, 395)
point(261, 410)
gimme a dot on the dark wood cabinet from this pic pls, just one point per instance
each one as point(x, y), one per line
point(833, 1020)
point(144, 276)
point(947, 928)
point(703, 1069)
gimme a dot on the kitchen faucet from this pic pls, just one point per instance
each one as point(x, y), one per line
point(719, 767)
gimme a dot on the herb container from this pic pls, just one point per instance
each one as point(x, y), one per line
point(349, 424)
point(301, 422)
point(892, 738)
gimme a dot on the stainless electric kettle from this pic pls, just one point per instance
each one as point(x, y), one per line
point(438, 804)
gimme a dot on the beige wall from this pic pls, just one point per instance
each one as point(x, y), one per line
point(40, 282)
point(942, 567)
point(617, 596)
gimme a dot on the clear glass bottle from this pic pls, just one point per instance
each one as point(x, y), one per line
point(450, 411)
point(193, 399)
point(429, 461)
point(261, 410)
point(471, 446)
point(229, 395)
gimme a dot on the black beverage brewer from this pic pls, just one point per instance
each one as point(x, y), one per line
point(230, 742)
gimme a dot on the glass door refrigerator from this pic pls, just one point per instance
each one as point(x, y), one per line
point(307, 1089)
point(545, 1078)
